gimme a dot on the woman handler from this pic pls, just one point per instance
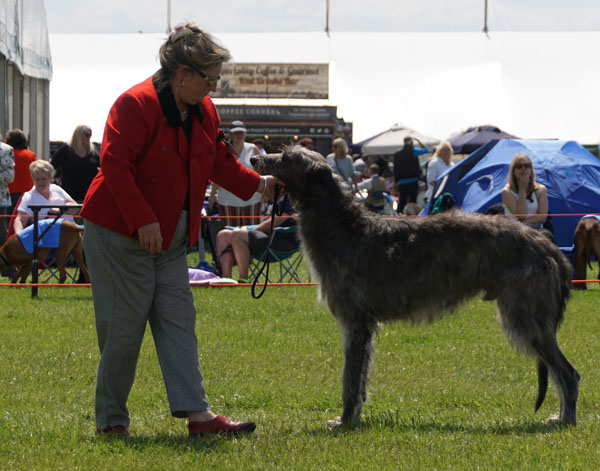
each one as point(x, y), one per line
point(161, 145)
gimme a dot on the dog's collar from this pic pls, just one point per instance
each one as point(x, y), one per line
point(5, 260)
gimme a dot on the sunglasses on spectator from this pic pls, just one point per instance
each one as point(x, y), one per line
point(87, 134)
point(210, 82)
point(520, 166)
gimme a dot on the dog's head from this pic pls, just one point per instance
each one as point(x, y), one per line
point(303, 171)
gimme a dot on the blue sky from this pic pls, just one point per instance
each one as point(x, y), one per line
point(150, 16)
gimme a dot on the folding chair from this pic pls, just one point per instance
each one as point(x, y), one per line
point(287, 262)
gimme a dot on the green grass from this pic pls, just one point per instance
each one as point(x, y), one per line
point(451, 395)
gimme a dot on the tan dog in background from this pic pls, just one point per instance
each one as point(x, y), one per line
point(13, 253)
point(587, 243)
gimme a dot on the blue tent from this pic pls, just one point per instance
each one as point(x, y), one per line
point(569, 171)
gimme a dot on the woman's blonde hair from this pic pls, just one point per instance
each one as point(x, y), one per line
point(443, 145)
point(341, 145)
point(512, 180)
point(190, 46)
point(76, 142)
point(41, 167)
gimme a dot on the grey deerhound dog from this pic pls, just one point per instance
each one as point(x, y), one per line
point(373, 269)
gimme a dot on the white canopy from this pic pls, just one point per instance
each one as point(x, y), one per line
point(24, 37)
point(391, 140)
point(533, 85)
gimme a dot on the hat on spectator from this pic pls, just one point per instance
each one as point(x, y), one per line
point(238, 126)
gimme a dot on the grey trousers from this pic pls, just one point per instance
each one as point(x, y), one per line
point(131, 288)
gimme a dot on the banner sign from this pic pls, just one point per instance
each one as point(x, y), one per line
point(302, 131)
point(276, 80)
point(307, 114)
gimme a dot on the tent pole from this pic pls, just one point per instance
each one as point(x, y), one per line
point(327, 17)
point(168, 16)
point(485, 14)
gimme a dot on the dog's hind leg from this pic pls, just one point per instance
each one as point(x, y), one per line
point(564, 376)
point(358, 350)
point(536, 334)
point(60, 257)
point(78, 256)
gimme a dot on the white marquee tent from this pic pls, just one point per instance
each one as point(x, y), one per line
point(534, 85)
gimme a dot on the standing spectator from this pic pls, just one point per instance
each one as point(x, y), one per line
point(440, 162)
point(23, 159)
point(77, 163)
point(161, 146)
point(7, 174)
point(237, 211)
point(407, 171)
point(341, 163)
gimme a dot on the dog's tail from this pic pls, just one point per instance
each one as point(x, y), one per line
point(542, 383)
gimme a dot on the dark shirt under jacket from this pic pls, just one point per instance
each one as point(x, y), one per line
point(76, 172)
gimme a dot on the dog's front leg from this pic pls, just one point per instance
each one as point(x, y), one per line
point(358, 348)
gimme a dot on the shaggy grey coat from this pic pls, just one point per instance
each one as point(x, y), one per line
point(373, 269)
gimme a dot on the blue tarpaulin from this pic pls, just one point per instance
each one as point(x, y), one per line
point(569, 171)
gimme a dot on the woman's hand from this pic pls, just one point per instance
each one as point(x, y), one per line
point(523, 181)
point(150, 237)
point(267, 185)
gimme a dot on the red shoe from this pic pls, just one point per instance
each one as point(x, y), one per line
point(116, 430)
point(219, 424)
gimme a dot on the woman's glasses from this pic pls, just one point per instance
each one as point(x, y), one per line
point(87, 134)
point(210, 82)
point(520, 166)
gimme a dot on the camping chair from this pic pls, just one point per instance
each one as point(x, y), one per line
point(287, 262)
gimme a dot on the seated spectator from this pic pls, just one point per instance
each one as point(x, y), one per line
point(23, 158)
point(440, 162)
point(342, 163)
point(44, 192)
point(77, 163)
point(375, 186)
point(239, 245)
point(236, 211)
point(525, 198)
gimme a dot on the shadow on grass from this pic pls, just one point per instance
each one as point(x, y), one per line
point(212, 442)
point(393, 421)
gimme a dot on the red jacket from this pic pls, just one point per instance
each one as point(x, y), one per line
point(146, 166)
point(22, 181)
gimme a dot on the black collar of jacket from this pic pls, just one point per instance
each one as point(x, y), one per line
point(168, 105)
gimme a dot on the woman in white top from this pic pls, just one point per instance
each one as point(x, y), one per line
point(238, 212)
point(43, 192)
point(440, 162)
point(522, 196)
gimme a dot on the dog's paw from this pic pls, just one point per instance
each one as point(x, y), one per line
point(334, 424)
point(555, 419)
